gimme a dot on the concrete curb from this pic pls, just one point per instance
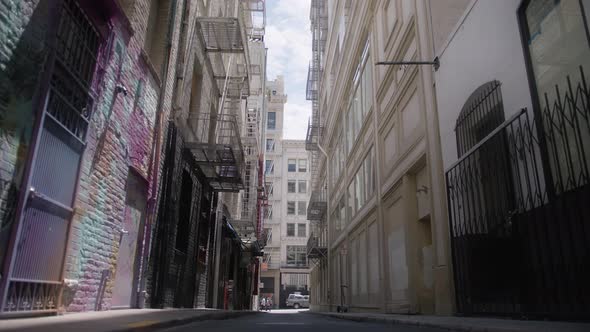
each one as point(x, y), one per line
point(187, 320)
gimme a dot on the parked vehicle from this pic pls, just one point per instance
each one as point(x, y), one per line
point(298, 301)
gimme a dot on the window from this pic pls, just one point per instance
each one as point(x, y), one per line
point(557, 39)
point(302, 208)
point(297, 255)
point(481, 114)
point(156, 31)
point(269, 167)
point(302, 186)
point(272, 120)
point(270, 189)
point(269, 212)
point(268, 232)
point(291, 186)
point(361, 100)
point(301, 230)
point(303, 165)
point(270, 145)
point(292, 165)
point(290, 229)
point(196, 87)
point(291, 208)
point(362, 186)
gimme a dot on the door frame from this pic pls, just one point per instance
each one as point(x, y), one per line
point(141, 238)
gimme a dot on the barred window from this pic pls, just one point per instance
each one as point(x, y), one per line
point(482, 113)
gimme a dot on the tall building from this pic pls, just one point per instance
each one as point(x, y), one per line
point(285, 266)
point(379, 234)
point(449, 143)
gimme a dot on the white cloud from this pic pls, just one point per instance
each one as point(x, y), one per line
point(288, 38)
point(295, 120)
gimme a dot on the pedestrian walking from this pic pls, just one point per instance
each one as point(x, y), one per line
point(269, 303)
point(263, 303)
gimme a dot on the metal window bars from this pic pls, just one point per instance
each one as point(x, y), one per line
point(519, 213)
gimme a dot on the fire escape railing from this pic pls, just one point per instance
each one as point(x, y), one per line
point(217, 149)
point(319, 26)
point(316, 248)
point(316, 209)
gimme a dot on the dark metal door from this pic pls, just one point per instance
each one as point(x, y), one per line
point(125, 289)
point(35, 271)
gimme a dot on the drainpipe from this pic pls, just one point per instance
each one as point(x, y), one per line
point(219, 209)
point(154, 166)
point(328, 240)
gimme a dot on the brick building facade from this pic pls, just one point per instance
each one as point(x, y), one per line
point(94, 98)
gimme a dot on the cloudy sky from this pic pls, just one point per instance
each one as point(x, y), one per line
point(288, 39)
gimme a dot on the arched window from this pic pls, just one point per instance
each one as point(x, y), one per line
point(481, 114)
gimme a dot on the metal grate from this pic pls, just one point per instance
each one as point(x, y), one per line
point(482, 113)
point(221, 34)
point(519, 217)
point(76, 53)
point(217, 149)
point(317, 205)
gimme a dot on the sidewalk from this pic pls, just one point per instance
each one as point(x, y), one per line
point(463, 323)
point(117, 320)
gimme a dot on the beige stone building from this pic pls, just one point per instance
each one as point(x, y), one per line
point(380, 234)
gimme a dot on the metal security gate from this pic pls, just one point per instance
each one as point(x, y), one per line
point(520, 225)
point(34, 280)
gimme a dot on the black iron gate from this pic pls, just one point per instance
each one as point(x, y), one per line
point(35, 271)
point(520, 226)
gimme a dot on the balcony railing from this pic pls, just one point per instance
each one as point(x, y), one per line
point(316, 249)
point(217, 149)
point(317, 206)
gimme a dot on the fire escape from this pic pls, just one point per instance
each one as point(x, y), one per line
point(317, 207)
point(215, 141)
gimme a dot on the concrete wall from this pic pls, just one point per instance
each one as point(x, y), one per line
point(484, 46)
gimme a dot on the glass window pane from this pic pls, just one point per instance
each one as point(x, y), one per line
point(359, 189)
point(292, 165)
point(302, 208)
point(290, 208)
point(303, 165)
point(270, 145)
point(272, 120)
point(291, 186)
point(302, 186)
point(358, 112)
point(351, 198)
point(269, 167)
point(290, 229)
point(301, 230)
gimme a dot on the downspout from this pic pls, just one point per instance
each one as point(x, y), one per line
point(328, 240)
point(154, 166)
point(219, 209)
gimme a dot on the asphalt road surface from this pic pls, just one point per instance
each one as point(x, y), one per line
point(293, 321)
